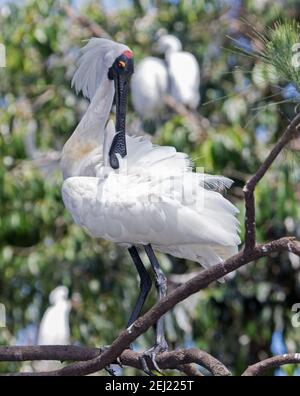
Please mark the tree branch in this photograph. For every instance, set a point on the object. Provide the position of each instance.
(180, 359)
(190, 370)
(274, 362)
(47, 352)
(250, 238)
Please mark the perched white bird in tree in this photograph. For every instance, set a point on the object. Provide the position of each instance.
(133, 193)
(54, 327)
(148, 93)
(178, 76)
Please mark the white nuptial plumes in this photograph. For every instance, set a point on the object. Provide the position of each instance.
(96, 57)
(178, 75)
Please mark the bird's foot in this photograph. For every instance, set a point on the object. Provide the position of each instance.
(109, 368)
(151, 355)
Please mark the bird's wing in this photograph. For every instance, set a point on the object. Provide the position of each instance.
(149, 84)
(134, 209)
(184, 75)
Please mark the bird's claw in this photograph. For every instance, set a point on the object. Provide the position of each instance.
(151, 355)
(119, 363)
(108, 368)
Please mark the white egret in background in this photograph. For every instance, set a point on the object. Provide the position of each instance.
(136, 194)
(178, 75)
(54, 327)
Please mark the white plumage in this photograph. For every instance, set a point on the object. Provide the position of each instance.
(154, 197)
(185, 78)
(54, 327)
(149, 85)
(178, 76)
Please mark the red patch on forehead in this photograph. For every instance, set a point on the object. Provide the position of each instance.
(128, 54)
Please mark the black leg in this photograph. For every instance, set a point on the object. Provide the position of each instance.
(145, 284)
(161, 286)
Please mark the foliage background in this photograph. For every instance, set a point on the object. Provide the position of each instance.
(246, 111)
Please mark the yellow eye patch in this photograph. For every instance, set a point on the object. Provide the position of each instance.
(121, 64)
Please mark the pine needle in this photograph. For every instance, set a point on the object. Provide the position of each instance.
(279, 47)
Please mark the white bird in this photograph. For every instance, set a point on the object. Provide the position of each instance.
(141, 194)
(54, 327)
(178, 76)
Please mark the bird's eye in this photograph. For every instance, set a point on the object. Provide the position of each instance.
(121, 64)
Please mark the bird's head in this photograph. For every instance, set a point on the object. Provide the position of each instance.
(105, 59)
(167, 43)
(122, 66)
(60, 293)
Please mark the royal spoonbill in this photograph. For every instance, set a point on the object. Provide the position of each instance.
(137, 194)
(178, 75)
